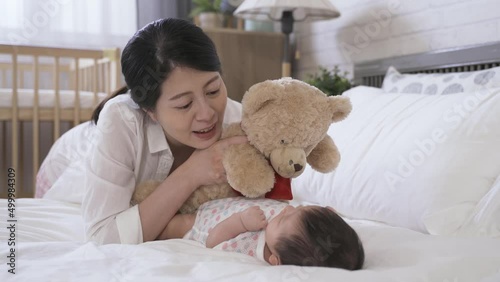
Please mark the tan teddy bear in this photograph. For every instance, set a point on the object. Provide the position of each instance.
(286, 122)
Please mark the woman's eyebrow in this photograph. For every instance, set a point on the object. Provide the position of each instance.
(212, 80)
(177, 96)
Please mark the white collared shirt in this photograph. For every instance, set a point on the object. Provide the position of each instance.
(128, 148)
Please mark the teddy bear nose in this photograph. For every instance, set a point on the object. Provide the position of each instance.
(297, 167)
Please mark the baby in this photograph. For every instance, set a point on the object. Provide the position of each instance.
(272, 231)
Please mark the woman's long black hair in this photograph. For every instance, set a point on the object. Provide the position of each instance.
(154, 51)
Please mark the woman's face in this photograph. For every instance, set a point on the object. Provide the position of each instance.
(191, 107)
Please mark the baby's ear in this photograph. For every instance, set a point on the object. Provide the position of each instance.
(274, 260)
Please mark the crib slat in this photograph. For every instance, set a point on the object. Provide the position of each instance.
(36, 123)
(118, 68)
(76, 119)
(95, 81)
(15, 124)
(20, 164)
(108, 80)
(57, 101)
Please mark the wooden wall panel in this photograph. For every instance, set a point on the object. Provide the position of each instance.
(247, 57)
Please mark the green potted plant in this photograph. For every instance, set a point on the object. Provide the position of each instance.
(207, 14)
(331, 82)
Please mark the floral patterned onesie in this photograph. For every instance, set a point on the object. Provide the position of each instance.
(211, 213)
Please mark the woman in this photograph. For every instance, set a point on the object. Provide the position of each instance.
(166, 127)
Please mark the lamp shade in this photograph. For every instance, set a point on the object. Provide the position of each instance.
(272, 10)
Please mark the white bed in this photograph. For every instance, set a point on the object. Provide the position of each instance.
(437, 220)
(50, 247)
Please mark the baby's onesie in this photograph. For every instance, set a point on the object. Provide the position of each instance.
(212, 213)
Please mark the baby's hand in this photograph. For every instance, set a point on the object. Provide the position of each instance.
(253, 219)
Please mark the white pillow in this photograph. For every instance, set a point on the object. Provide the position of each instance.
(485, 220)
(440, 83)
(311, 185)
(415, 161)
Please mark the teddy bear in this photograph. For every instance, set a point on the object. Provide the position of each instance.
(286, 123)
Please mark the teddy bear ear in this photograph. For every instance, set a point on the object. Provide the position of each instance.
(260, 95)
(340, 107)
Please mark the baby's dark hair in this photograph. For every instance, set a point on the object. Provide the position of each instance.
(323, 239)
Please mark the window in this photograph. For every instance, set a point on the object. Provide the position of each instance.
(68, 23)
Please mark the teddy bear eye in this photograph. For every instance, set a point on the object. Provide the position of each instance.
(282, 141)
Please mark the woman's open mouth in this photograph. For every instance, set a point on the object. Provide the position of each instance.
(206, 133)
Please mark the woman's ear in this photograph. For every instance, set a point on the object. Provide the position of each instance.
(151, 114)
(274, 260)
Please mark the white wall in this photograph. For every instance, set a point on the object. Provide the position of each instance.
(373, 29)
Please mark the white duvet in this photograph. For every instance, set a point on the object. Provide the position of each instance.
(50, 247)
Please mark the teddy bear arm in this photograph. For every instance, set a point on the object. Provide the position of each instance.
(204, 194)
(143, 190)
(248, 171)
(325, 156)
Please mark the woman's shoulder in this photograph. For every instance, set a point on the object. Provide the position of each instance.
(233, 111)
(123, 107)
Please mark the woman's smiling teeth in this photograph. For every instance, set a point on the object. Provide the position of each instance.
(206, 129)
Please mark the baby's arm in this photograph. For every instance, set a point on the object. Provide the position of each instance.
(178, 226)
(251, 219)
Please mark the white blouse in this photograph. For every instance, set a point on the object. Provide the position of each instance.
(128, 148)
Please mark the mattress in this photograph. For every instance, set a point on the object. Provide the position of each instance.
(47, 98)
(50, 247)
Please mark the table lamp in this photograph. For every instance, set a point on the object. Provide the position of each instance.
(287, 12)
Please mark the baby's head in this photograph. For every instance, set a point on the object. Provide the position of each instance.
(313, 236)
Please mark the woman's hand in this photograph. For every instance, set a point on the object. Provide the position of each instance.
(206, 165)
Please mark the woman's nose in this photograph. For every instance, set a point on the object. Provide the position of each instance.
(205, 112)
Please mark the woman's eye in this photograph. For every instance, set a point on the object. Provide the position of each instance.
(213, 92)
(185, 107)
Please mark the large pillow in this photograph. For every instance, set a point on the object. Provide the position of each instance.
(416, 161)
(440, 83)
(312, 185)
(485, 220)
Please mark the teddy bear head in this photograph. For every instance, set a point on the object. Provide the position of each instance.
(285, 119)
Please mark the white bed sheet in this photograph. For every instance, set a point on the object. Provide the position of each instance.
(46, 98)
(50, 247)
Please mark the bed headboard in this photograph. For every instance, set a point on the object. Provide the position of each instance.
(461, 59)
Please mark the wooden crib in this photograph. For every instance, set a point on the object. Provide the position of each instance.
(44, 91)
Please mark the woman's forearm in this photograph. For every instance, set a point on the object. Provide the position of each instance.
(157, 209)
(179, 225)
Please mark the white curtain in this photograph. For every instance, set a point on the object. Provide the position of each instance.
(68, 23)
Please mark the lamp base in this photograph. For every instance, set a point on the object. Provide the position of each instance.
(286, 69)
